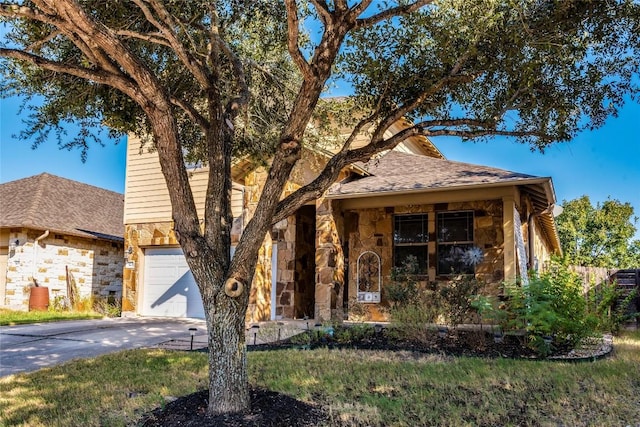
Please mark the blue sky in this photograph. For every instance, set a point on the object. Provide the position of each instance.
(602, 163)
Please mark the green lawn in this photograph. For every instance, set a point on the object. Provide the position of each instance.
(358, 387)
(11, 317)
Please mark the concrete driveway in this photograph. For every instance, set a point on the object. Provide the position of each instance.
(26, 348)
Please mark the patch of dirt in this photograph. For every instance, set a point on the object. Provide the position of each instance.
(269, 408)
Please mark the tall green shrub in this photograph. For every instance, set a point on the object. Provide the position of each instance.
(551, 305)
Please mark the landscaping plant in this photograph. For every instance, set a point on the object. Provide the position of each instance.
(457, 298)
(551, 309)
(608, 305)
(412, 307)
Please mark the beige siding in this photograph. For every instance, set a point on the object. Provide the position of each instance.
(541, 248)
(146, 195)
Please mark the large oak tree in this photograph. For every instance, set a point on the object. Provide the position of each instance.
(210, 80)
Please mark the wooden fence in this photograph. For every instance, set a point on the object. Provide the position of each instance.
(593, 276)
(626, 281)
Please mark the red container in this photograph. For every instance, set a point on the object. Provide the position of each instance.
(39, 298)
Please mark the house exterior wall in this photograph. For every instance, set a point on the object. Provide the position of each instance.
(95, 265)
(147, 213)
(338, 234)
(283, 235)
(4, 259)
(374, 232)
(146, 194)
(330, 260)
(541, 250)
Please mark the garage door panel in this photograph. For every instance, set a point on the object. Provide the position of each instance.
(169, 287)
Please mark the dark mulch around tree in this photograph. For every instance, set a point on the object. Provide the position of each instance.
(269, 408)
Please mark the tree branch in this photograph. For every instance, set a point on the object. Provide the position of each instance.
(323, 10)
(390, 13)
(12, 10)
(360, 8)
(293, 37)
(455, 122)
(165, 24)
(155, 38)
(242, 100)
(191, 112)
(91, 74)
(469, 134)
(37, 45)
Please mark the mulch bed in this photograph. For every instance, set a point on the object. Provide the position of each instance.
(269, 408)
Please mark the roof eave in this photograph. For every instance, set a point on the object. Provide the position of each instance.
(95, 235)
(527, 181)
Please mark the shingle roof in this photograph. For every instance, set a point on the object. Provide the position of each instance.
(402, 172)
(49, 202)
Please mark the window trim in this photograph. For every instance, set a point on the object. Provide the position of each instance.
(424, 244)
(453, 243)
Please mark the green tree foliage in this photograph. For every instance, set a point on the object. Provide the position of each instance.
(211, 81)
(600, 235)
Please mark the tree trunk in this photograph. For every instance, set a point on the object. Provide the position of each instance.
(225, 317)
(228, 378)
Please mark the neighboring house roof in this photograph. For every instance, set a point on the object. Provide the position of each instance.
(402, 173)
(49, 202)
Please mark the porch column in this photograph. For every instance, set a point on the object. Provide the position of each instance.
(509, 244)
(329, 262)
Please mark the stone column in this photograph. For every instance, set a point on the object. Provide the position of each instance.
(509, 245)
(129, 276)
(330, 280)
(259, 308)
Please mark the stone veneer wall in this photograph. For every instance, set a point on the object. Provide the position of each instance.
(330, 266)
(96, 266)
(284, 237)
(374, 232)
(137, 236)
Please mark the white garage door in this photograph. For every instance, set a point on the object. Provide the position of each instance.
(169, 287)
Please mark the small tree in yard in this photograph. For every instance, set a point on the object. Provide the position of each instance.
(213, 80)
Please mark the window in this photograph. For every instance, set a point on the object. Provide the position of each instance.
(411, 239)
(456, 252)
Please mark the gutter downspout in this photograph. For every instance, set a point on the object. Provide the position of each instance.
(35, 256)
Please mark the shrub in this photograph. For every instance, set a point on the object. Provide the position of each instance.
(403, 289)
(486, 309)
(410, 321)
(457, 297)
(346, 334)
(358, 312)
(108, 308)
(607, 305)
(551, 305)
(411, 307)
